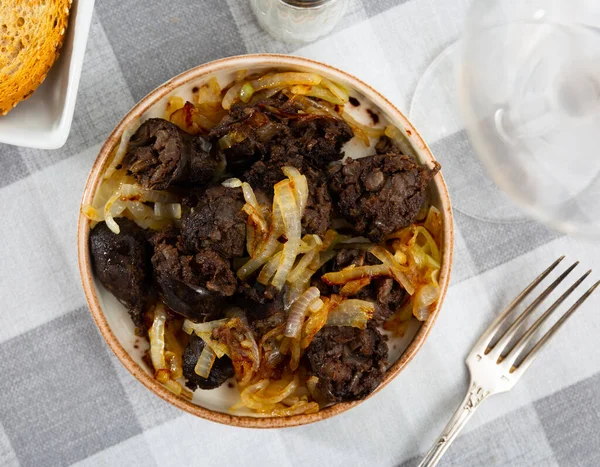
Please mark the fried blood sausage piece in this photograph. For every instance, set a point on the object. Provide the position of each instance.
(349, 362)
(216, 222)
(122, 263)
(194, 286)
(220, 372)
(387, 295)
(379, 194)
(161, 155)
(273, 128)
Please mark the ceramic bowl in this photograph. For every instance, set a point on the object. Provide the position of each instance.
(112, 318)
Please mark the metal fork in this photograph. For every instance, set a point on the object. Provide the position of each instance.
(496, 368)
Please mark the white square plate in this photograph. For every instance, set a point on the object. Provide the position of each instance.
(44, 120)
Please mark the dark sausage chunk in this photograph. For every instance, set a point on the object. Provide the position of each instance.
(385, 292)
(220, 372)
(160, 155)
(216, 222)
(122, 263)
(349, 362)
(192, 285)
(274, 129)
(249, 130)
(262, 176)
(319, 138)
(380, 194)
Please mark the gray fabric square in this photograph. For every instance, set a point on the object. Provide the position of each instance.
(8, 458)
(571, 421)
(514, 439)
(150, 409)
(63, 363)
(374, 7)
(492, 244)
(155, 41)
(12, 166)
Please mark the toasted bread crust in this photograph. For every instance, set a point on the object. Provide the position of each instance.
(31, 36)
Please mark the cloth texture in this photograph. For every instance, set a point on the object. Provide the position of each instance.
(66, 399)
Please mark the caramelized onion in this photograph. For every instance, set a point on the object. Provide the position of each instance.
(285, 199)
(352, 274)
(232, 183)
(167, 210)
(383, 255)
(353, 287)
(299, 185)
(205, 362)
(266, 248)
(157, 338)
(298, 312)
(352, 312)
(122, 149)
(423, 299)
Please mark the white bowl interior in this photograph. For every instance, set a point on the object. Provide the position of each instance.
(221, 399)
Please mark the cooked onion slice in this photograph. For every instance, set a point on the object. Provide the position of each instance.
(267, 82)
(433, 223)
(300, 186)
(267, 248)
(134, 192)
(298, 312)
(352, 312)
(284, 197)
(336, 89)
(269, 269)
(383, 255)
(317, 320)
(364, 132)
(302, 265)
(253, 208)
(199, 328)
(423, 299)
(122, 149)
(352, 274)
(108, 215)
(157, 338)
(204, 331)
(318, 92)
(232, 183)
(353, 287)
(297, 408)
(246, 92)
(167, 210)
(205, 362)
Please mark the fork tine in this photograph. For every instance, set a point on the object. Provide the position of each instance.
(484, 340)
(501, 344)
(516, 349)
(544, 340)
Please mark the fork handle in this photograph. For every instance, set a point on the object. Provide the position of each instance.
(466, 409)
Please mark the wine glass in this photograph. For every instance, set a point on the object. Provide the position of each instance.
(528, 88)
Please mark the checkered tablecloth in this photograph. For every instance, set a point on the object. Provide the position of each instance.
(65, 399)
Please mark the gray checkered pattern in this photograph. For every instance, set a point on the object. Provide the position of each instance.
(65, 399)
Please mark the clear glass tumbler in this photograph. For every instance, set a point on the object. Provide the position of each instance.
(298, 20)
